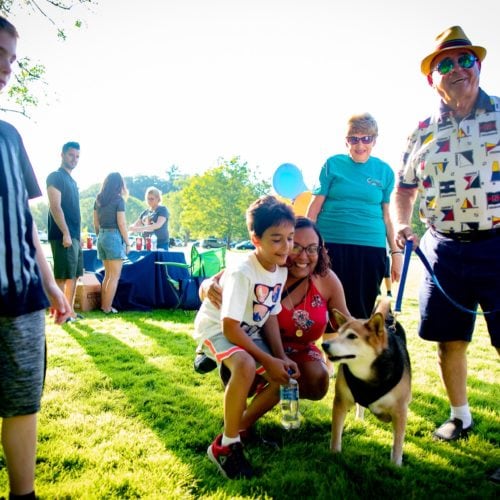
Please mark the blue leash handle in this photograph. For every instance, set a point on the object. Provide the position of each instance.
(425, 262)
(404, 272)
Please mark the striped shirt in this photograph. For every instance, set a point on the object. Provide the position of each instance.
(21, 289)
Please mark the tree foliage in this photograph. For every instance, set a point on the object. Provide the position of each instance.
(215, 202)
(29, 76)
(138, 184)
(417, 225)
(40, 212)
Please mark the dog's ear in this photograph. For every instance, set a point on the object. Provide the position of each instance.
(376, 324)
(340, 319)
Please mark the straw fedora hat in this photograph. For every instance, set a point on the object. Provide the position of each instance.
(452, 38)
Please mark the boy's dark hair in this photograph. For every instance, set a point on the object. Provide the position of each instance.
(8, 27)
(70, 145)
(266, 212)
(323, 264)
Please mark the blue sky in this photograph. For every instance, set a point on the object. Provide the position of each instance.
(145, 85)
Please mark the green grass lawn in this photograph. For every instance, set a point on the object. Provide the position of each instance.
(125, 416)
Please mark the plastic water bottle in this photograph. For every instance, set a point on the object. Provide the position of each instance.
(154, 242)
(289, 402)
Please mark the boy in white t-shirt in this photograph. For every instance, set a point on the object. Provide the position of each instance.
(234, 334)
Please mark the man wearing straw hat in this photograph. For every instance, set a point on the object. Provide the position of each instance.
(452, 160)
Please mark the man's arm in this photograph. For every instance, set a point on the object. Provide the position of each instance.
(58, 214)
(404, 199)
(60, 308)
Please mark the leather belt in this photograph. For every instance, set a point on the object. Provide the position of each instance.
(471, 236)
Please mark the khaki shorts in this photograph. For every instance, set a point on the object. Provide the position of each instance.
(68, 262)
(219, 348)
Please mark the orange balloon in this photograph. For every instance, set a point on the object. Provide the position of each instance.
(301, 203)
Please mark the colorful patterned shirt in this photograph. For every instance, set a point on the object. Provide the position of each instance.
(456, 167)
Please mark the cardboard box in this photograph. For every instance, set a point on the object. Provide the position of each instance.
(88, 293)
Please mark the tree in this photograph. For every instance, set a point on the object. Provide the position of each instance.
(174, 202)
(40, 213)
(138, 184)
(215, 202)
(29, 76)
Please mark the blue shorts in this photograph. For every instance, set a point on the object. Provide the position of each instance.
(110, 245)
(469, 272)
(22, 364)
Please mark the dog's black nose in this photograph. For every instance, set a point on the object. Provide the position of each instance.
(325, 346)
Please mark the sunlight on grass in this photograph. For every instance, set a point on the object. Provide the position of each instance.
(124, 415)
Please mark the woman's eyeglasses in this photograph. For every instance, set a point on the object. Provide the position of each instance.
(465, 61)
(310, 250)
(366, 139)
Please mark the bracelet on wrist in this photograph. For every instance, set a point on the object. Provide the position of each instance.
(393, 252)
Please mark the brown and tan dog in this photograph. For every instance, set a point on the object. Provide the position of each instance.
(374, 372)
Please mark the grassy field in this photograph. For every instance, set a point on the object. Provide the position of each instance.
(125, 416)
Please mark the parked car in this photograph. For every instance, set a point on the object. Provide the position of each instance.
(244, 245)
(42, 236)
(211, 243)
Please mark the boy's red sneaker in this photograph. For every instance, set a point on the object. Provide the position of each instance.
(230, 460)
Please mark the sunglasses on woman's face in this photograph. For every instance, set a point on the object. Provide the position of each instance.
(366, 139)
(465, 61)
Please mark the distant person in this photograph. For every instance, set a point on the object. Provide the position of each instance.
(243, 335)
(25, 277)
(452, 160)
(64, 223)
(351, 209)
(112, 237)
(154, 219)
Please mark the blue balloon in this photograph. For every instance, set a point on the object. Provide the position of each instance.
(288, 181)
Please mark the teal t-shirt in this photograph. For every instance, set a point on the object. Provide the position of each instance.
(354, 194)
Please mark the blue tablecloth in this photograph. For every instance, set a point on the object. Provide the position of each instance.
(143, 285)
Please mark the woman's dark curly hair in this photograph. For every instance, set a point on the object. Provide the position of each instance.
(323, 264)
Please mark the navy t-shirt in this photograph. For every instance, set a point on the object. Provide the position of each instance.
(107, 214)
(162, 232)
(70, 204)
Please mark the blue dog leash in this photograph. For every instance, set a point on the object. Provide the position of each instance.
(404, 272)
(425, 262)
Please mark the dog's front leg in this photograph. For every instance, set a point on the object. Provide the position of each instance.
(342, 401)
(398, 431)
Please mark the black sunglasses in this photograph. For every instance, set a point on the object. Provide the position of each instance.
(366, 139)
(465, 61)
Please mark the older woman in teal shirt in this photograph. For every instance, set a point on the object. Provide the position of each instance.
(351, 209)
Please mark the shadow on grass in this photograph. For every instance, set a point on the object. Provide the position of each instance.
(163, 399)
(184, 409)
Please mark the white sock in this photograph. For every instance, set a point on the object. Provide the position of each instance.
(463, 413)
(226, 441)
